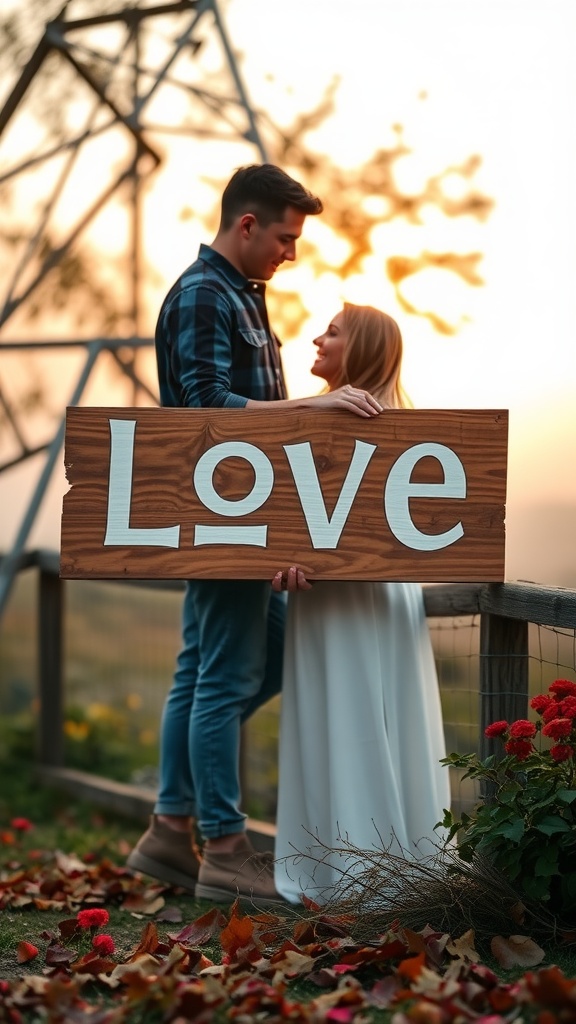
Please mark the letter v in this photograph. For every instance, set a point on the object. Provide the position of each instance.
(325, 532)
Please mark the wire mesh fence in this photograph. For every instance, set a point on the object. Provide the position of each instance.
(120, 647)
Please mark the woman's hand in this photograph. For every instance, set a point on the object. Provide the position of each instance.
(348, 397)
(291, 580)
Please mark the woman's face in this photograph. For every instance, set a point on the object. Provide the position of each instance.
(330, 347)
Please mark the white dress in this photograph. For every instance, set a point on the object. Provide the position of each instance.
(361, 734)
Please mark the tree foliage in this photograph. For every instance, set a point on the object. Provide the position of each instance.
(71, 104)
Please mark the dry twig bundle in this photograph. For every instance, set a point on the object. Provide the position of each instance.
(378, 887)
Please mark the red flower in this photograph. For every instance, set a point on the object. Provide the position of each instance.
(558, 728)
(563, 688)
(552, 711)
(496, 729)
(103, 944)
(93, 918)
(541, 702)
(561, 752)
(568, 707)
(522, 729)
(21, 824)
(519, 748)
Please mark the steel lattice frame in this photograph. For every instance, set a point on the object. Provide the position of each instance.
(227, 112)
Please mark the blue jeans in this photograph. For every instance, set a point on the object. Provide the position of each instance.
(230, 664)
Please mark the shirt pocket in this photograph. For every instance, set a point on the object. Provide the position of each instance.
(253, 336)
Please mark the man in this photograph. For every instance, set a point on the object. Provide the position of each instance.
(215, 347)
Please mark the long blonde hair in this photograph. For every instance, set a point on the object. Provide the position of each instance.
(372, 355)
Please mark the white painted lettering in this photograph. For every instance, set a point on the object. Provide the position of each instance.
(118, 529)
(325, 532)
(399, 490)
(204, 484)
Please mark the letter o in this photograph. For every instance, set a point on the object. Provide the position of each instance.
(204, 474)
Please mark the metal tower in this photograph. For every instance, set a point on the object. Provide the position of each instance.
(122, 60)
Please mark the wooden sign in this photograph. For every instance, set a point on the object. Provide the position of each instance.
(188, 493)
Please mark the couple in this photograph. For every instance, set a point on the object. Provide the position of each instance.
(215, 347)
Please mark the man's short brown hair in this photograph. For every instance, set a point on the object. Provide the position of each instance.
(265, 190)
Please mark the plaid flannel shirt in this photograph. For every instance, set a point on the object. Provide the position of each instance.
(214, 345)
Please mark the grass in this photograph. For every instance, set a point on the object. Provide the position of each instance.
(118, 736)
(77, 827)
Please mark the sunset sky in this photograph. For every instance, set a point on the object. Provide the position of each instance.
(495, 78)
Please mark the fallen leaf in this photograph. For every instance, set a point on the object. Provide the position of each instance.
(135, 973)
(69, 863)
(411, 967)
(325, 978)
(341, 1014)
(414, 941)
(171, 914)
(68, 928)
(293, 963)
(310, 904)
(148, 942)
(238, 933)
(57, 954)
(516, 951)
(203, 929)
(549, 987)
(463, 947)
(93, 966)
(142, 903)
(303, 932)
(393, 950)
(26, 951)
(383, 992)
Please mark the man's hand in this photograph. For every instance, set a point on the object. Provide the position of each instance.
(291, 580)
(347, 397)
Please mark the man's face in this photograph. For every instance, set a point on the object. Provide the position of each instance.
(265, 248)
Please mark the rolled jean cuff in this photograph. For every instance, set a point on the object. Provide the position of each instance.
(182, 809)
(215, 830)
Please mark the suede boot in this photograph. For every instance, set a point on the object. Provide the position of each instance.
(243, 872)
(166, 854)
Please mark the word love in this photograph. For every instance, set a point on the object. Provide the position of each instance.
(325, 531)
(237, 493)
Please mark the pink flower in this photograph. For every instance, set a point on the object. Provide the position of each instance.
(103, 944)
(496, 729)
(558, 728)
(563, 688)
(561, 752)
(519, 748)
(92, 918)
(21, 824)
(522, 729)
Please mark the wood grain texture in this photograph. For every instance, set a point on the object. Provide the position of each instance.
(168, 444)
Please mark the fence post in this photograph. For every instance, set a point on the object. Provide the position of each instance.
(503, 673)
(50, 673)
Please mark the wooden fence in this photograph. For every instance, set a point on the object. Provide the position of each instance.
(505, 611)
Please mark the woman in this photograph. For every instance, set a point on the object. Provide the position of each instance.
(361, 732)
